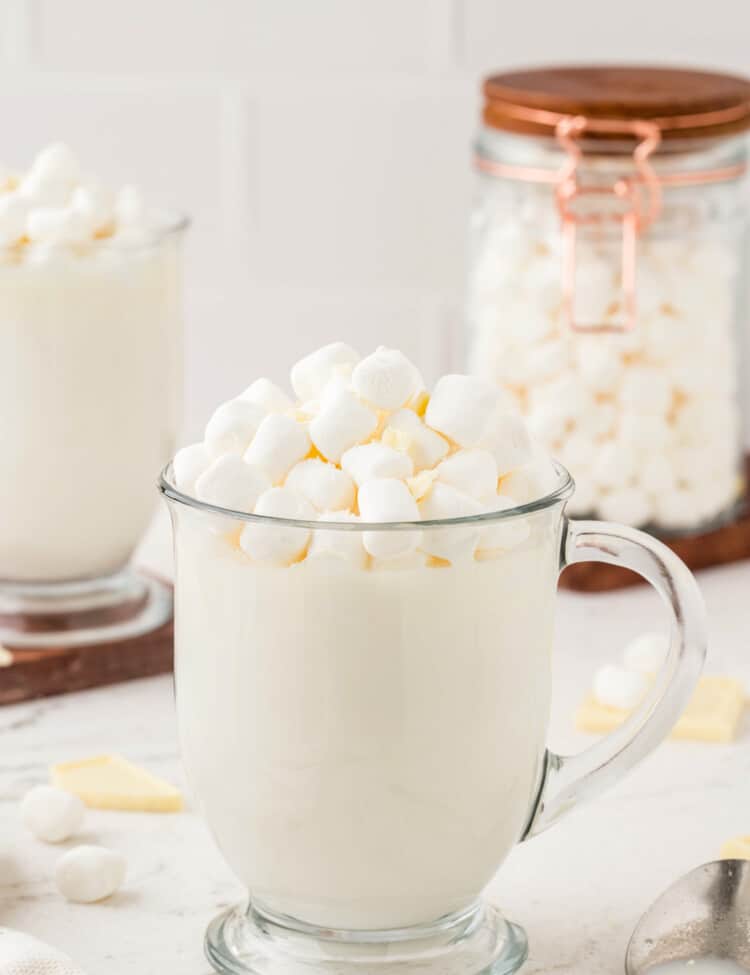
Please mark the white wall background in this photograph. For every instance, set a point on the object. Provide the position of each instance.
(321, 146)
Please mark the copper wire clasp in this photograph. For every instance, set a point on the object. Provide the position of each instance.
(638, 203)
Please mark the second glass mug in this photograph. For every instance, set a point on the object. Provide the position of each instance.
(367, 745)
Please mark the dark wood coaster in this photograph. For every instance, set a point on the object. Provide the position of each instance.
(728, 543)
(32, 672)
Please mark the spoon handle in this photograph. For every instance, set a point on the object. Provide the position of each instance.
(568, 780)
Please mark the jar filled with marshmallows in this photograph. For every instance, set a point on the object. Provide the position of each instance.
(607, 278)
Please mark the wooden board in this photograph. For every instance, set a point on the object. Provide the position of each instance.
(729, 543)
(32, 672)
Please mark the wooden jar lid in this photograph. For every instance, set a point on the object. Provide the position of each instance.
(686, 104)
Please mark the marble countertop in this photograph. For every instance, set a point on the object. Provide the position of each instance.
(577, 889)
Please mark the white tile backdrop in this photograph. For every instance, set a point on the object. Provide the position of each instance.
(321, 146)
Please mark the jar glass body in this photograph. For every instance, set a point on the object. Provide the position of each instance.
(649, 418)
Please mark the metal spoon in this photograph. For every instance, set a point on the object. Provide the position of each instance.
(705, 914)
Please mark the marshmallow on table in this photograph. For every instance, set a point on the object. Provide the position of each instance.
(460, 408)
(231, 483)
(188, 465)
(280, 442)
(232, 427)
(646, 653)
(342, 422)
(388, 500)
(472, 471)
(51, 814)
(325, 486)
(278, 544)
(270, 397)
(386, 379)
(452, 543)
(335, 546)
(369, 461)
(618, 687)
(310, 375)
(87, 874)
(407, 432)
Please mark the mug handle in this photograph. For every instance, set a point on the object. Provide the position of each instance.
(568, 780)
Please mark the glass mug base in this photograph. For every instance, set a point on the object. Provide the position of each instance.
(250, 941)
(116, 607)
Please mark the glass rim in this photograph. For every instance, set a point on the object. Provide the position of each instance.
(562, 491)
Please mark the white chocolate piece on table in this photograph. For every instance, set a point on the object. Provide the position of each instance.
(112, 782)
(619, 687)
(51, 814)
(646, 652)
(87, 874)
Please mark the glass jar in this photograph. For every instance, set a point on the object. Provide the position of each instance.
(606, 285)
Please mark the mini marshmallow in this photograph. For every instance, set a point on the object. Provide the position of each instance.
(453, 543)
(325, 486)
(278, 544)
(231, 483)
(129, 208)
(645, 429)
(506, 533)
(598, 422)
(546, 423)
(388, 500)
(279, 443)
(584, 499)
(87, 874)
(568, 396)
(386, 379)
(407, 432)
(646, 653)
(545, 361)
(52, 177)
(342, 422)
(656, 474)
(473, 471)
(616, 687)
(56, 225)
(51, 814)
(310, 375)
(460, 408)
(232, 427)
(95, 206)
(577, 452)
(677, 509)
(338, 547)
(14, 211)
(616, 464)
(270, 397)
(188, 465)
(646, 389)
(507, 439)
(628, 505)
(599, 364)
(367, 462)
(532, 480)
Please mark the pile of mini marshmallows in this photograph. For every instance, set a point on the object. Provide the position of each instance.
(624, 686)
(366, 443)
(648, 422)
(53, 208)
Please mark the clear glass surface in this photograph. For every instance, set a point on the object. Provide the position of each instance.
(90, 401)
(366, 738)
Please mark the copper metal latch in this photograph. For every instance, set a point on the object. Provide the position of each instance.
(638, 205)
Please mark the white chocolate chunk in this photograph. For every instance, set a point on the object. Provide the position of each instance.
(369, 461)
(646, 653)
(342, 422)
(619, 688)
(338, 547)
(231, 483)
(267, 395)
(407, 432)
(388, 500)
(279, 443)
(87, 874)
(188, 465)
(232, 426)
(310, 375)
(51, 814)
(472, 471)
(452, 543)
(461, 407)
(278, 544)
(326, 487)
(386, 379)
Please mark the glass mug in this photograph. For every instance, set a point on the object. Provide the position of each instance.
(90, 402)
(367, 744)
